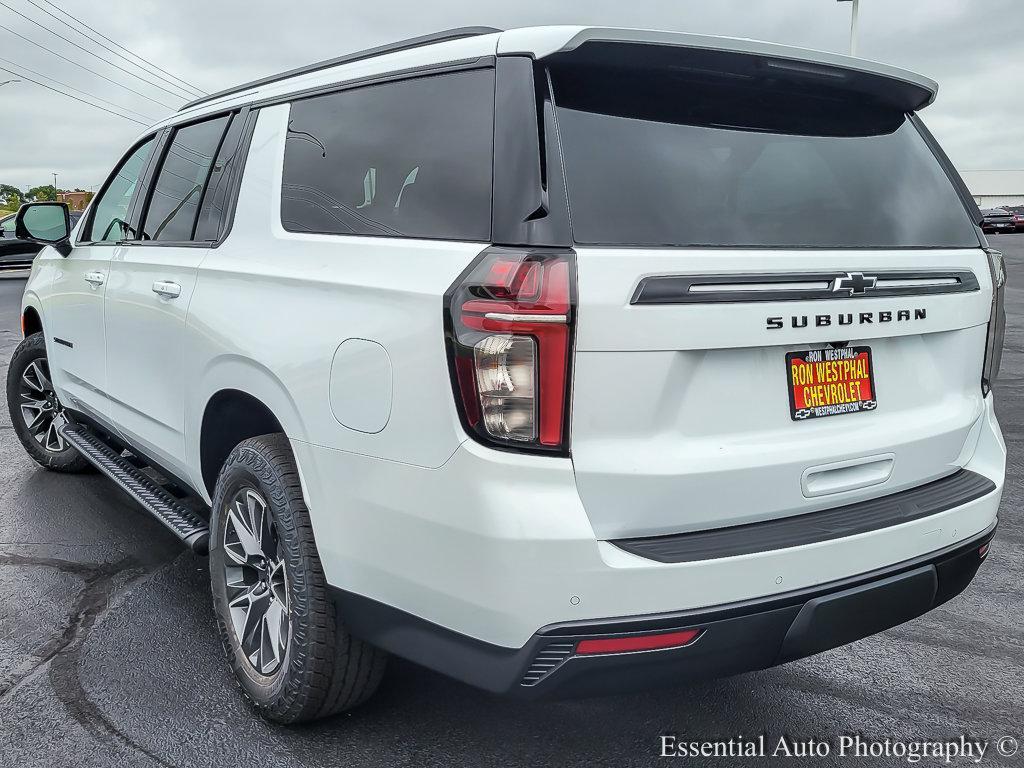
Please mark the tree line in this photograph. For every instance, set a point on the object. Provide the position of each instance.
(11, 197)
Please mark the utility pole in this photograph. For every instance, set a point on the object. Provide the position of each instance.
(853, 24)
(55, 184)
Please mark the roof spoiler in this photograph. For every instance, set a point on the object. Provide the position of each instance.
(900, 88)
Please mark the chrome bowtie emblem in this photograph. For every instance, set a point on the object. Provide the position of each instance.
(855, 283)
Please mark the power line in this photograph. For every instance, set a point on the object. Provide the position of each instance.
(82, 66)
(111, 50)
(94, 55)
(123, 48)
(70, 96)
(71, 87)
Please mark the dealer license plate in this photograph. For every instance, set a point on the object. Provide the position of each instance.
(830, 382)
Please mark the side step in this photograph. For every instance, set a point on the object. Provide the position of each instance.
(179, 519)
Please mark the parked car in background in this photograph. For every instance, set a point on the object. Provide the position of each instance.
(997, 220)
(16, 253)
(1018, 221)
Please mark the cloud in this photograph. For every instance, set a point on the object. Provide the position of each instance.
(973, 51)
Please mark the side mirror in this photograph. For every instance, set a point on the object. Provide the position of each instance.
(45, 223)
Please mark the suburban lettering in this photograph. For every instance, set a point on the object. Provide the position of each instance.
(845, 318)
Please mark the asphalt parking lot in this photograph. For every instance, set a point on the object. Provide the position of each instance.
(108, 652)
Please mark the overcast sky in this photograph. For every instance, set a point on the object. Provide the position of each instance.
(975, 50)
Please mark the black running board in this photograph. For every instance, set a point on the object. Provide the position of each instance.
(179, 519)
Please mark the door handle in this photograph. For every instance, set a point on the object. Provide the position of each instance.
(847, 475)
(167, 289)
(95, 278)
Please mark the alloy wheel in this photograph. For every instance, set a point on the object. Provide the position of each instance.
(257, 584)
(40, 407)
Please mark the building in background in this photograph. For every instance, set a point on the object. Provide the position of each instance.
(996, 189)
(76, 200)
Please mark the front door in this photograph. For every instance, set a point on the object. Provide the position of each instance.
(73, 323)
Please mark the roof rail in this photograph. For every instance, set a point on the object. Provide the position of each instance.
(369, 53)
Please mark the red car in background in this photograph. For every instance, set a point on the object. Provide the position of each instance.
(1018, 221)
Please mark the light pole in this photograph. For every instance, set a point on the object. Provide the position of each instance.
(853, 25)
(55, 183)
(7, 82)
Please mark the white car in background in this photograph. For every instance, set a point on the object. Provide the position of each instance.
(560, 360)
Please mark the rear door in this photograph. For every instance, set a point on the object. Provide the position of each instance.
(782, 297)
(148, 292)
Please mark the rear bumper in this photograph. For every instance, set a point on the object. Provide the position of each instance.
(924, 501)
(493, 546)
(734, 638)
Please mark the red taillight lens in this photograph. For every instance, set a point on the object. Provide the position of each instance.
(509, 322)
(996, 321)
(637, 642)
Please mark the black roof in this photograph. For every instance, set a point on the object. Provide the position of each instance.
(369, 53)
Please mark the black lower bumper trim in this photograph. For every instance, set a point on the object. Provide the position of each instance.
(740, 637)
(863, 517)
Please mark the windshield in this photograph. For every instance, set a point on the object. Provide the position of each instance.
(652, 158)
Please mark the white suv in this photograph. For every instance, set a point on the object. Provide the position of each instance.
(561, 360)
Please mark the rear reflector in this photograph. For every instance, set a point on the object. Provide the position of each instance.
(983, 551)
(638, 642)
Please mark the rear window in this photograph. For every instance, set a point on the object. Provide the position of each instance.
(664, 158)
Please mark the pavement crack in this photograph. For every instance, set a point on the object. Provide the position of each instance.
(91, 601)
(61, 654)
(95, 575)
(64, 676)
(87, 570)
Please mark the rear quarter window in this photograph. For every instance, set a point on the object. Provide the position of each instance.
(402, 159)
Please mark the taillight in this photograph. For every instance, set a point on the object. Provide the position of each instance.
(509, 322)
(996, 321)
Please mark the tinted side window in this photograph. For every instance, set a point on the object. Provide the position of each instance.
(214, 207)
(111, 208)
(174, 202)
(410, 158)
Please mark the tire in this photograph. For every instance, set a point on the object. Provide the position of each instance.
(35, 410)
(321, 669)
